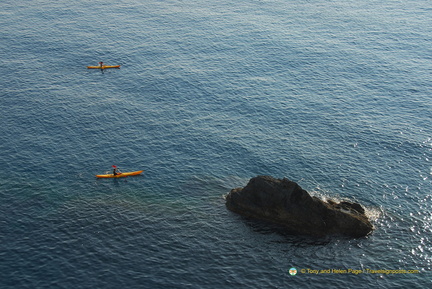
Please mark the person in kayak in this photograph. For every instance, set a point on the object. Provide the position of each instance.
(101, 64)
(116, 171)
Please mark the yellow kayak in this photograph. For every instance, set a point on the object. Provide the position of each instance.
(120, 175)
(103, 66)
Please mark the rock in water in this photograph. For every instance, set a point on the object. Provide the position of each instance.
(285, 202)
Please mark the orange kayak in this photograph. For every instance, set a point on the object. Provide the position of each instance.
(103, 66)
(120, 175)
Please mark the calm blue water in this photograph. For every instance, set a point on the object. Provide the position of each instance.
(335, 95)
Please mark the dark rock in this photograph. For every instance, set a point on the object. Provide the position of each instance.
(285, 202)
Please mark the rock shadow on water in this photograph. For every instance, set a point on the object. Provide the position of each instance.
(284, 235)
(284, 203)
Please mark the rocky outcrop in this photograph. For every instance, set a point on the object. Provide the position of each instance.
(285, 202)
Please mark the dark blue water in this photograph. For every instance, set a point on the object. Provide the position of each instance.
(335, 95)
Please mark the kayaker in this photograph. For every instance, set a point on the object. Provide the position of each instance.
(100, 63)
(116, 171)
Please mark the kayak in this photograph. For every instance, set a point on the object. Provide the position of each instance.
(121, 175)
(103, 66)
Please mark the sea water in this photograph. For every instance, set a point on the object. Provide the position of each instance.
(335, 95)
